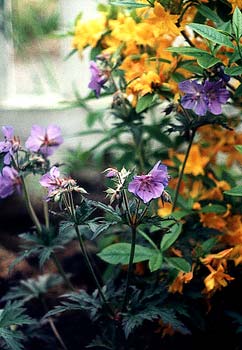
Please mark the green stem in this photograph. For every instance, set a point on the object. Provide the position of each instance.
(130, 266)
(89, 265)
(62, 272)
(148, 239)
(30, 208)
(36, 221)
(182, 170)
(46, 214)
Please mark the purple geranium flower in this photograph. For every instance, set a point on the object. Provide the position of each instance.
(9, 182)
(204, 97)
(9, 145)
(51, 180)
(216, 95)
(98, 78)
(44, 140)
(152, 185)
(195, 97)
(57, 184)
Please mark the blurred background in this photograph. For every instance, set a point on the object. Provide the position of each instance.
(38, 82)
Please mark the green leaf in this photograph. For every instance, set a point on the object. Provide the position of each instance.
(169, 238)
(236, 191)
(212, 34)
(129, 4)
(208, 13)
(155, 261)
(119, 253)
(179, 264)
(207, 61)
(144, 102)
(238, 91)
(204, 59)
(213, 208)
(237, 23)
(239, 148)
(233, 70)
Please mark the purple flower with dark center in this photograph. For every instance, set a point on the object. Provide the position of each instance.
(152, 185)
(98, 78)
(9, 182)
(10, 145)
(204, 97)
(44, 140)
(216, 95)
(195, 97)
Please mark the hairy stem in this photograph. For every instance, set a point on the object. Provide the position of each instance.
(130, 266)
(182, 170)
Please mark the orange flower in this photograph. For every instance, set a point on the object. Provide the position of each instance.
(212, 258)
(212, 220)
(196, 162)
(178, 283)
(216, 279)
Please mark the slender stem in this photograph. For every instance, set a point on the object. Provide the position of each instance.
(62, 272)
(39, 231)
(30, 208)
(53, 327)
(90, 267)
(130, 266)
(148, 239)
(46, 214)
(182, 170)
(126, 203)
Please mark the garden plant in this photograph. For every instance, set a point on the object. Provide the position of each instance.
(163, 249)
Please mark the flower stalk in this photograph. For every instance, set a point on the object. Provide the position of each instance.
(182, 170)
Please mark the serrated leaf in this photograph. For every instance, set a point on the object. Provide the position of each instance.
(237, 23)
(233, 70)
(212, 34)
(129, 4)
(169, 238)
(179, 264)
(236, 191)
(144, 102)
(119, 253)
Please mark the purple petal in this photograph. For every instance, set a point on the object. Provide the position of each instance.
(8, 131)
(54, 133)
(33, 143)
(38, 132)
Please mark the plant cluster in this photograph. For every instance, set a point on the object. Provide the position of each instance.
(169, 233)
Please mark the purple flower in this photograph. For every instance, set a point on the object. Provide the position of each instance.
(51, 180)
(216, 95)
(57, 184)
(9, 182)
(44, 140)
(10, 145)
(204, 97)
(98, 78)
(195, 97)
(152, 185)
